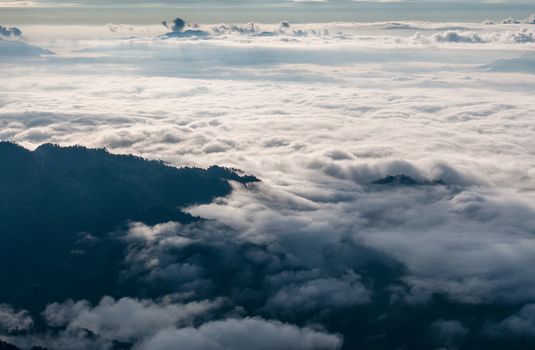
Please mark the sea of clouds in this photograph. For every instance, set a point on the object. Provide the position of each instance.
(318, 113)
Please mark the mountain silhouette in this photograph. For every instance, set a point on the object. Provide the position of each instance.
(404, 180)
(53, 198)
(17, 48)
(8, 346)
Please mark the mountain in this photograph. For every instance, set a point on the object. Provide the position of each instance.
(8, 346)
(15, 48)
(53, 198)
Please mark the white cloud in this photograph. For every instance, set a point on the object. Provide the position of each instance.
(318, 118)
(213, 102)
(126, 319)
(249, 333)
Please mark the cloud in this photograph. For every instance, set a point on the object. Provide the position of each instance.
(284, 29)
(510, 20)
(250, 333)
(521, 36)
(165, 325)
(519, 325)
(12, 320)
(119, 27)
(448, 332)
(448, 33)
(449, 328)
(320, 293)
(525, 63)
(203, 259)
(458, 37)
(177, 25)
(318, 194)
(10, 32)
(397, 179)
(140, 231)
(125, 320)
(177, 30)
(530, 19)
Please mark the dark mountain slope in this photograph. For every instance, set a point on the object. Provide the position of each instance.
(53, 198)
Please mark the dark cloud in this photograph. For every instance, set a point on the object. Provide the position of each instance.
(177, 30)
(177, 25)
(448, 333)
(518, 325)
(10, 32)
(304, 293)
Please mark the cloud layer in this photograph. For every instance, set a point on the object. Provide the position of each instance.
(396, 178)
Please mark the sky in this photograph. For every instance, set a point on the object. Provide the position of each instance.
(139, 12)
(394, 152)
